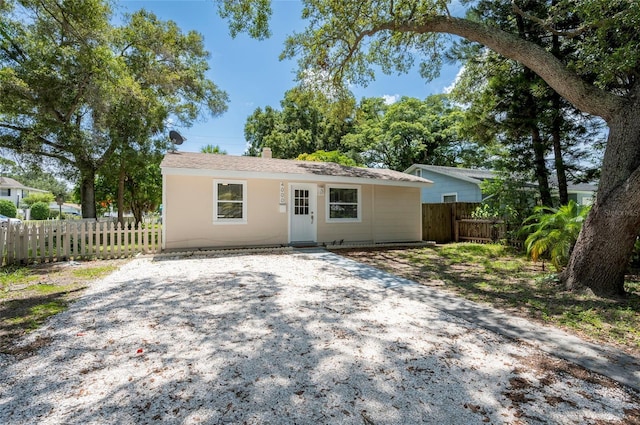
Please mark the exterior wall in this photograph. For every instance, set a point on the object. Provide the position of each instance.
(582, 198)
(189, 208)
(398, 214)
(442, 184)
(388, 214)
(351, 231)
(16, 196)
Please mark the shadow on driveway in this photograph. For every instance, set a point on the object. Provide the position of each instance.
(282, 339)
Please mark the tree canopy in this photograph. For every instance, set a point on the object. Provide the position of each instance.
(308, 121)
(411, 131)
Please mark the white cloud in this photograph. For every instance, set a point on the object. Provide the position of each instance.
(390, 99)
(450, 87)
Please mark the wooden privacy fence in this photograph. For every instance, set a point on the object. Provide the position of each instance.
(478, 230)
(49, 241)
(452, 222)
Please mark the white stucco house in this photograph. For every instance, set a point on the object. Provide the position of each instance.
(212, 200)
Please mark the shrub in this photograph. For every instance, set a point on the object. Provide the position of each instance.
(39, 211)
(38, 197)
(554, 232)
(8, 208)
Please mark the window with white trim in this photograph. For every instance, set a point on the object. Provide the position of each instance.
(450, 197)
(230, 202)
(5, 192)
(343, 204)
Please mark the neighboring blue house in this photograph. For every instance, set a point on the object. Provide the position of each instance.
(452, 184)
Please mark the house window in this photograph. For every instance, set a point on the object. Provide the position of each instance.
(5, 192)
(344, 204)
(230, 202)
(449, 198)
(419, 173)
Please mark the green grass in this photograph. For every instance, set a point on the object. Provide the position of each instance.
(30, 295)
(499, 276)
(38, 314)
(94, 272)
(15, 276)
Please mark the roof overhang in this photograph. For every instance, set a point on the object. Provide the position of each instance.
(235, 174)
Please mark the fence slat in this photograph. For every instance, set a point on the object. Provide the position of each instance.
(3, 244)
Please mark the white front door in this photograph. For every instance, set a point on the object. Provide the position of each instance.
(302, 212)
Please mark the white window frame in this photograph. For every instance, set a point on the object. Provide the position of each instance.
(216, 219)
(450, 194)
(328, 218)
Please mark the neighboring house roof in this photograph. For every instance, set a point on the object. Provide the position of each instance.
(478, 176)
(467, 174)
(254, 167)
(9, 183)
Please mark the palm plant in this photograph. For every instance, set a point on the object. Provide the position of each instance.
(553, 232)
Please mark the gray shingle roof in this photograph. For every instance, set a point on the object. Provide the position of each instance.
(250, 164)
(8, 182)
(464, 173)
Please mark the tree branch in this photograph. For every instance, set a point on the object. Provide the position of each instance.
(44, 140)
(548, 25)
(586, 97)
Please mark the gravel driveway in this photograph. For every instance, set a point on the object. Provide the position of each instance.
(284, 338)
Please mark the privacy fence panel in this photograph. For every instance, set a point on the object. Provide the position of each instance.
(453, 222)
(47, 241)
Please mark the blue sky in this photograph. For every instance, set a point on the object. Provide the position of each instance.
(250, 72)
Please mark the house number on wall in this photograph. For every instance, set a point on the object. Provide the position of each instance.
(282, 201)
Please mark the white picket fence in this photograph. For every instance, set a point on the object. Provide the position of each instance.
(60, 240)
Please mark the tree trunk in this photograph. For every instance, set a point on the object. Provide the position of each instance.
(556, 138)
(542, 174)
(120, 195)
(87, 192)
(556, 132)
(601, 255)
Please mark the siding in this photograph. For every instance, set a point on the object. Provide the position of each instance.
(442, 184)
(398, 214)
(350, 231)
(189, 215)
(582, 198)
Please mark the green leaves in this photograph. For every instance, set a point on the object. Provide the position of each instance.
(553, 232)
(251, 16)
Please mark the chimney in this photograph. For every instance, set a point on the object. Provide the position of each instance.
(266, 152)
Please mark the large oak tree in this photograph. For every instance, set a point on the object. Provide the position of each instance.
(351, 39)
(77, 89)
